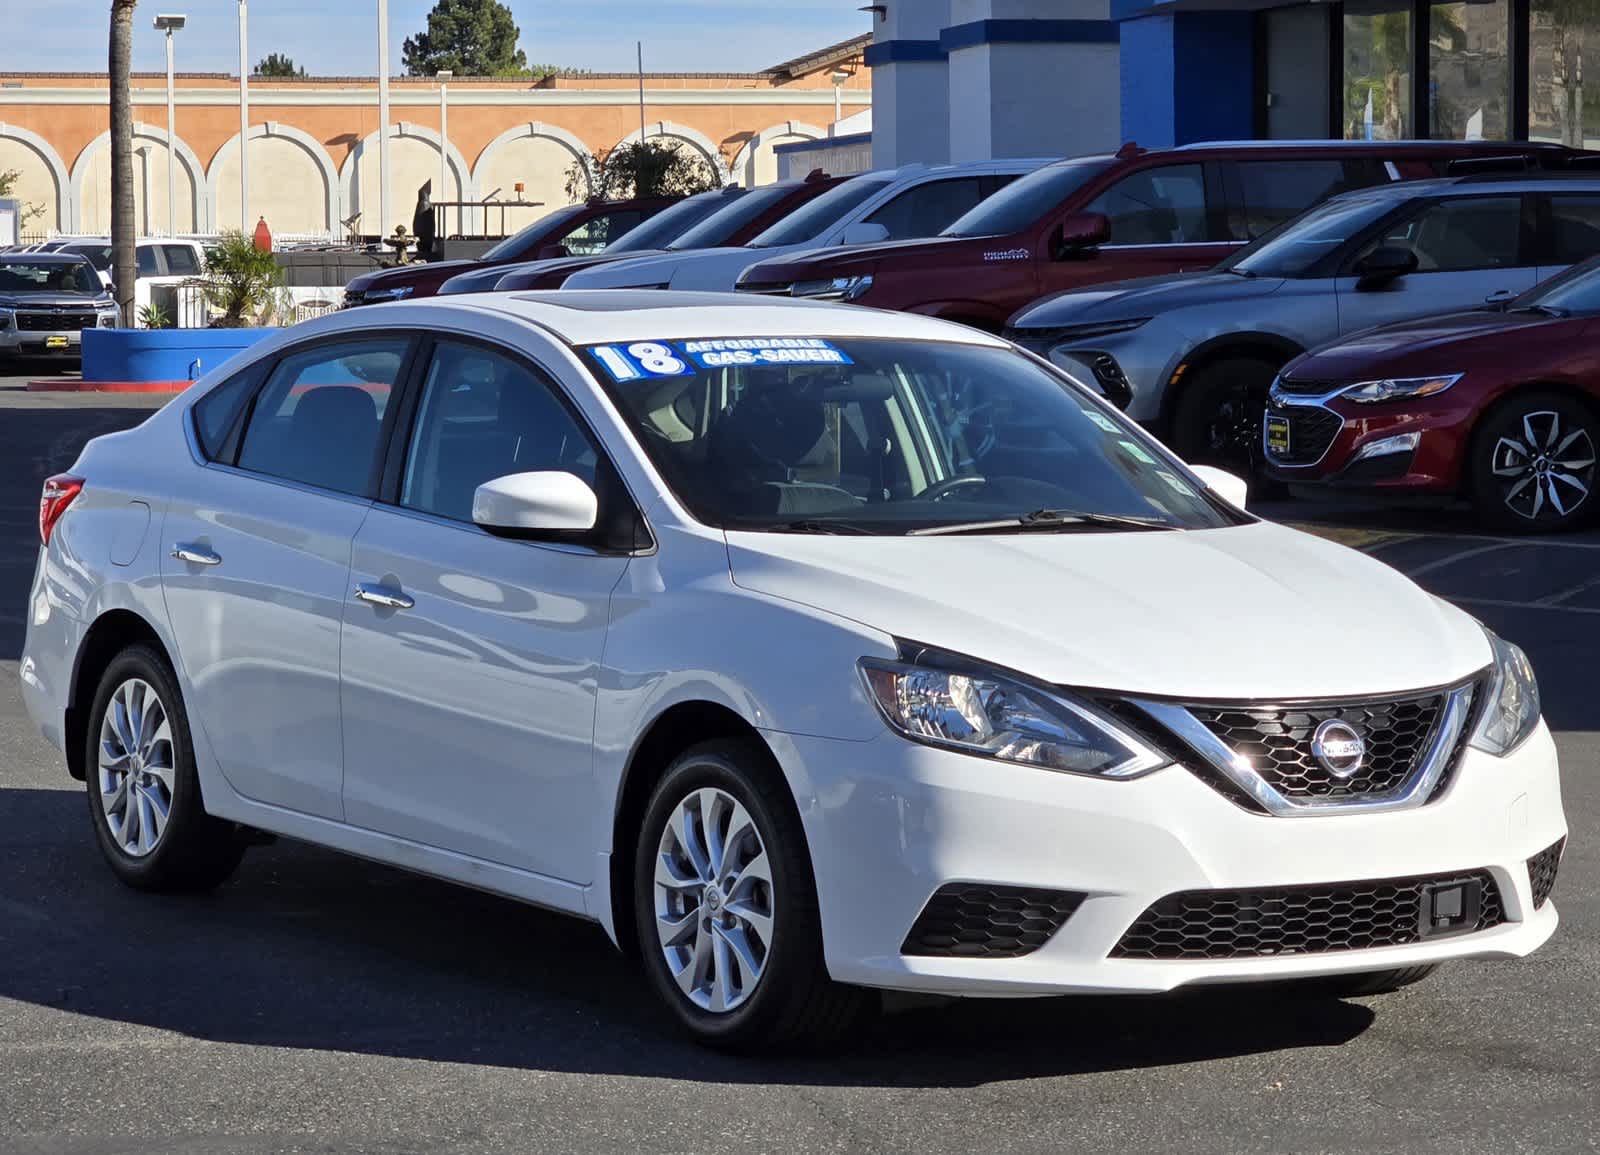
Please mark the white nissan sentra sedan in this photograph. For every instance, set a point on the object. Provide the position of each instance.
(807, 649)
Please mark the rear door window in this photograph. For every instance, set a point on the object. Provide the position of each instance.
(317, 420)
(925, 210)
(1269, 192)
(180, 260)
(594, 234)
(1165, 205)
(1573, 232)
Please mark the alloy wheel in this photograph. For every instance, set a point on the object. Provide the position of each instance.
(136, 767)
(713, 900)
(1545, 472)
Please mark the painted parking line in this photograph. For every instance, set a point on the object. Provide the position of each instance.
(1458, 556)
(1513, 605)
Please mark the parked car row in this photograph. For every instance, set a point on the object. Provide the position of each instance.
(1179, 282)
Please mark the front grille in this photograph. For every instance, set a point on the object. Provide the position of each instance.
(1225, 924)
(973, 920)
(1305, 388)
(55, 322)
(1277, 741)
(1311, 430)
(1542, 869)
(771, 289)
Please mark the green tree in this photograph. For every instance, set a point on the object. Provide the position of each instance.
(241, 282)
(8, 181)
(124, 270)
(652, 169)
(468, 37)
(275, 65)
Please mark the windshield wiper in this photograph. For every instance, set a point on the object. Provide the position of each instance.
(1046, 521)
(1547, 310)
(1247, 274)
(814, 525)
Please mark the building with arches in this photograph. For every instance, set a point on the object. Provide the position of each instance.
(312, 143)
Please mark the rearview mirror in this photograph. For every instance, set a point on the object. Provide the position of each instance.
(864, 233)
(1080, 232)
(1231, 488)
(1384, 264)
(552, 252)
(533, 503)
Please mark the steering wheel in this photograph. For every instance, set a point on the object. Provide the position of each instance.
(949, 485)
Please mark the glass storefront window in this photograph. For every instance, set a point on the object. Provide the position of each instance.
(1469, 81)
(1377, 70)
(1561, 35)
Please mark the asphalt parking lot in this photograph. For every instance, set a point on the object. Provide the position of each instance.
(320, 1004)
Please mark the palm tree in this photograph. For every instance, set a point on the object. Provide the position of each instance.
(123, 269)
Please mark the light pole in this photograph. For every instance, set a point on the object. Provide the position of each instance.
(838, 78)
(170, 23)
(244, 115)
(383, 118)
(444, 141)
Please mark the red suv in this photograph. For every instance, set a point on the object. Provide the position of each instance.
(1088, 220)
(1500, 406)
(576, 229)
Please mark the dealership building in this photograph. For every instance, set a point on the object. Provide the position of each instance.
(966, 79)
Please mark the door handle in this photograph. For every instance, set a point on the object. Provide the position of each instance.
(195, 554)
(377, 595)
(1499, 297)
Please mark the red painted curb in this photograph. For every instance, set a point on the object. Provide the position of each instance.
(108, 386)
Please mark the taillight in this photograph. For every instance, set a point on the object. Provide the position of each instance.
(59, 492)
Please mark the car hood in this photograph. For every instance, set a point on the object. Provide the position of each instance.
(52, 301)
(720, 264)
(1413, 342)
(1145, 297)
(1247, 612)
(812, 263)
(411, 274)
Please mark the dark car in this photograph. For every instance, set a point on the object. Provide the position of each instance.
(584, 228)
(736, 223)
(1500, 406)
(1089, 220)
(47, 300)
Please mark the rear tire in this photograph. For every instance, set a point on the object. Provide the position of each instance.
(143, 789)
(1532, 464)
(1218, 416)
(742, 969)
(1369, 983)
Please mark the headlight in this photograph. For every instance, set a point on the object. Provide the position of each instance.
(833, 288)
(1513, 707)
(992, 716)
(1399, 388)
(376, 296)
(109, 320)
(5, 318)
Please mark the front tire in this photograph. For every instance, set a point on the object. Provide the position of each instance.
(1218, 418)
(1533, 464)
(1368, 983)
(143, 789)
(726, 909)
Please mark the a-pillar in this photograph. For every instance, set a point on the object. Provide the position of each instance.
(1032, 78)
(910, 84)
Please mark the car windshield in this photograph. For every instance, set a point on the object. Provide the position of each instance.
(49, 277)
(671, 223)
(812, 219)
(889, 437)
(1291, 249)
(723, 225)
(1024, 201)
(518, 243)
(1577, 290)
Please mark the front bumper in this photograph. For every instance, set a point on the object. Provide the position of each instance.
(890, 822)
(37, 343)
(1390, 449)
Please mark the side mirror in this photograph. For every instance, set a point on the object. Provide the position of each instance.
(1231, 488)
(864, 233)
(536, 503)
(1383, 265)
(552, 252)
(1081, 232)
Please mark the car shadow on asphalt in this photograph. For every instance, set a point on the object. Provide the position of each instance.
(305, 948)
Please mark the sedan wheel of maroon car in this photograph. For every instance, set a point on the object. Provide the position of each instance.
(1533, 466)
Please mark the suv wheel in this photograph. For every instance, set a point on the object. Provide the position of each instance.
(1533, 464)
(144, 793)
(725, 906)
(1218, 417)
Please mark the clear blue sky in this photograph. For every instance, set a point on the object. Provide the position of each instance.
(337, 37)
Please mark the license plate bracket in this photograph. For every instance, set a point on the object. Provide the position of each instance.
(57, 342)
(1278, 436)
(1453, 906)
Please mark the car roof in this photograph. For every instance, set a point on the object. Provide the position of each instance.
(42, 259)
(1517, 146)
(1475, 183)
(597, 316)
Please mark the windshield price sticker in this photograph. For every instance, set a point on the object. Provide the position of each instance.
(644, 359)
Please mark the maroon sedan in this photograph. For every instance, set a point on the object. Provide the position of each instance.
(1499, 406)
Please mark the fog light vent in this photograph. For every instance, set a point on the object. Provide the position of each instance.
(975, 920)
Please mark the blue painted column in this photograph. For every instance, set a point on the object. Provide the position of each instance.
(1188, 77)
(910, 84)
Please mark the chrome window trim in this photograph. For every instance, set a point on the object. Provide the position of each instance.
(1414, 792)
